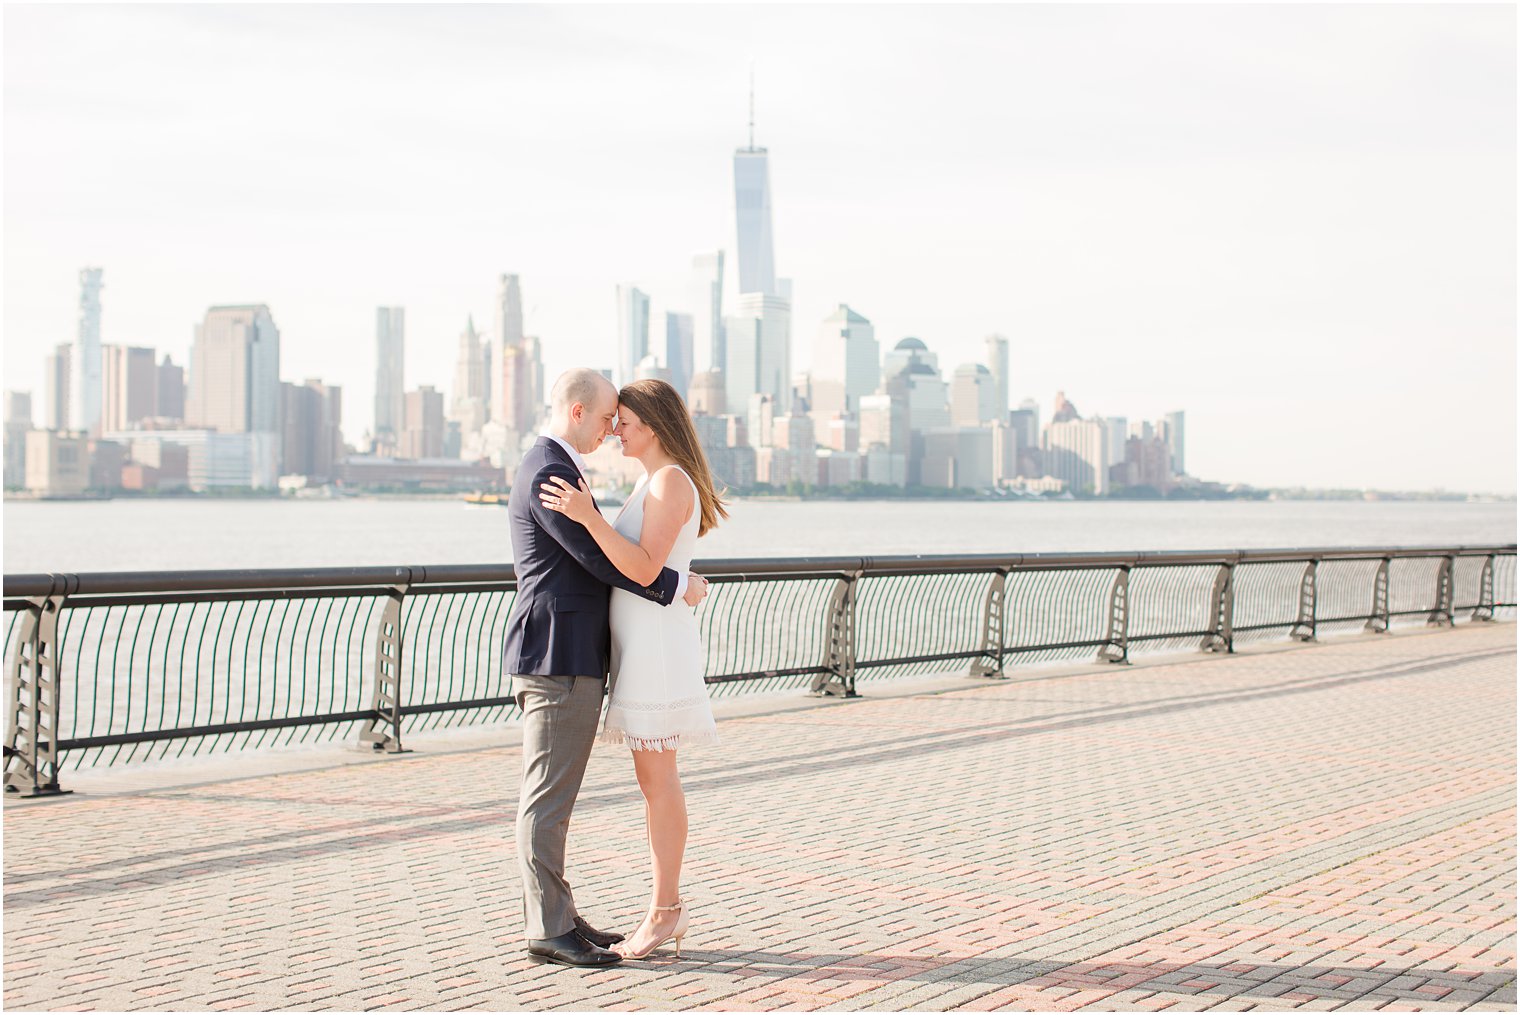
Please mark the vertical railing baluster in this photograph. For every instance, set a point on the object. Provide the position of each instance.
(1221, 634)
(1306, 627)
(1440, 615)
(839, 654)
(31, 753)
(1485, 608)
(1379, 621)
(993, 612)
(1116, 645)
(386, 696)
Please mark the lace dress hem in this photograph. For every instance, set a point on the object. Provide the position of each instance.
(664, 743)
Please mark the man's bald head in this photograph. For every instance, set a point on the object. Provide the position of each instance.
(582, 405)
(579, 385)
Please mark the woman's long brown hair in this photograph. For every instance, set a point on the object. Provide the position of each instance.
(659, 407)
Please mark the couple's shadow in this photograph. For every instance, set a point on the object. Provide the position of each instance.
(816, 973)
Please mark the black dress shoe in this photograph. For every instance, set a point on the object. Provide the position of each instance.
(570, 949)
(596, 937)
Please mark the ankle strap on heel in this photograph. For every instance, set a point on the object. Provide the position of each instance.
(668, 909)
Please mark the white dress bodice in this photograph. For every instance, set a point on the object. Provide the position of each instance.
(656, 697)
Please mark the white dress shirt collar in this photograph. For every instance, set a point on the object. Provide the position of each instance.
(575, 456)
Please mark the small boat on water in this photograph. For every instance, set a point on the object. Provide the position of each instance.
(479, 499)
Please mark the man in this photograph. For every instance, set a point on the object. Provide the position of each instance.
(556, 650)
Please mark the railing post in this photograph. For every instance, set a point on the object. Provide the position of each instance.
(1222, 614)
(839, 654)
(31, 755)
(386, 699)
(1380, 620)
(1306, 627)
(991, 662)
(1485, 608)
(1440, 615)
(1116, 645)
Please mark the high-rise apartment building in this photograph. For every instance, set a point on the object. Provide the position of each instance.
(506, 333)
(1032, 408)
(467, 404)
(423, 424)
(507, 312)
(908, 350)
(795, 432)
(517, 386)
(632, 331)
(18, 421)
(928, 397)
(313, 430)
(680, 334)
(884, 422)
(760, 356)
(18, 407)
(1172, 426)
(1118, 433)
(171, 390)
(997, 362)
(55, 388)
(1076, 450)
(708, 352)
(538, 395)
(128, 386)
(1147, 460)
(390, 372)
(741, 370)
(846, 362)
(707, 394)
(469, 367)
(761, 421)
(235, 372)
(973, 396)
(84, 360)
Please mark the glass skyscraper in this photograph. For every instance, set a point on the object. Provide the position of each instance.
(752, 210)
(85, 358)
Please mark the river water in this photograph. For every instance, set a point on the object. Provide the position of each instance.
(132, 535)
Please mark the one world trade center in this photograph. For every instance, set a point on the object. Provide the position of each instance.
(758, 342)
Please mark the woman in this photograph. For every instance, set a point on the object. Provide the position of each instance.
(658, 701)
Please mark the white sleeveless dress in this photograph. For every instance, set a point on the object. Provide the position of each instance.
(656, 698)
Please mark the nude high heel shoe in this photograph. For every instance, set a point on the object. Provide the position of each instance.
(678, 932)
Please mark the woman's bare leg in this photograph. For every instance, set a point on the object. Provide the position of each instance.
(665, 817)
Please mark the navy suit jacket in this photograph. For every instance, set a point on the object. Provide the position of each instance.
(558, 624)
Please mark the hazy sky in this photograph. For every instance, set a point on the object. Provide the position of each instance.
(1297, 223)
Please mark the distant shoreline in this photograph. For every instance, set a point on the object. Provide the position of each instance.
(1260, 496)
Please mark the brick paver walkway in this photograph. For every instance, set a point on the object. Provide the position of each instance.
(1315, 827)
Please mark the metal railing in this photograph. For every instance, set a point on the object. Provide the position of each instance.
(111, 668)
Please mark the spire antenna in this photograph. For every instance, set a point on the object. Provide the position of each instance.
(752, 105)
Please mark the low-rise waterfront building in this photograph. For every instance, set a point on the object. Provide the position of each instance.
(422, 474)
(957, 458)
(229, 461)
(57, 462)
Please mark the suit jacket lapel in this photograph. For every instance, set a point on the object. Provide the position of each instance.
(559, 452)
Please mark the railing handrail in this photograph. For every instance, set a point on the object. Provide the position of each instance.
(117, 582)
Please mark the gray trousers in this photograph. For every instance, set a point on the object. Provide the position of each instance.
(559, 727)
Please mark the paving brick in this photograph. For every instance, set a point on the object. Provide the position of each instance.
(1324, 827)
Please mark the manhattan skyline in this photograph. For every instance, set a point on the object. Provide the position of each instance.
(1297, 223)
